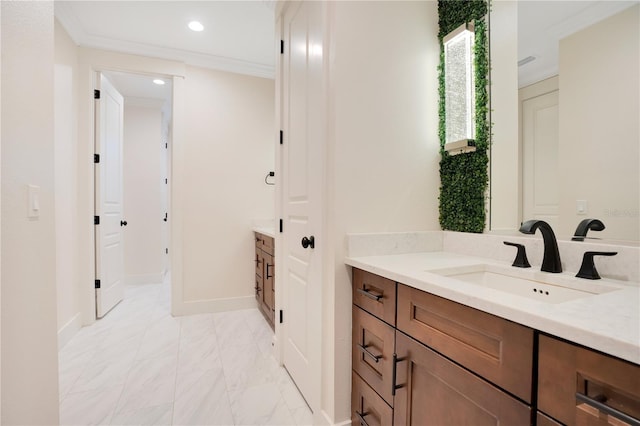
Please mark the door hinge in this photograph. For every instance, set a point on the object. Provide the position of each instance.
(96, 158)
(96, 220)
(166, 181)
(96, 94)
(166, 251)
(281, 47)
(166, 145)
(281, 317)
(281, 225)
(97, 284)
(281, 137)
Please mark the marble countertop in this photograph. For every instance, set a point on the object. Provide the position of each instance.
(265, 230)
(608, 322)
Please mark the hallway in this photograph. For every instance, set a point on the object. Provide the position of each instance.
(140, 365)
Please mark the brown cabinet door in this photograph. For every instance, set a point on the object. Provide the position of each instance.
(375, 295)
(372, 352)
(434, 391)
(584, 387)
(367, 408)
(499, 350)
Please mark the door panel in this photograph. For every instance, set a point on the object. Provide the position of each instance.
(302, 160)
(434, 391)
(540, 158)
(108, 195)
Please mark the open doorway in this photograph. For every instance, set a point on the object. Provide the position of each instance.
(132, 249)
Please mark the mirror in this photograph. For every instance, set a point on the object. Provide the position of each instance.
(578, 155)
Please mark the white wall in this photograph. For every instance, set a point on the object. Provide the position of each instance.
(29, 344)
(228, 149)
(143, 177)
(65, 159)
(599, 128)
(383, 165)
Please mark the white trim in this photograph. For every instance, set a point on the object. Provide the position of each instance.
(217, 305)
(144, 279)
(69, 330)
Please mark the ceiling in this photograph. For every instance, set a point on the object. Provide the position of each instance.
(239, 36)
(542, 24)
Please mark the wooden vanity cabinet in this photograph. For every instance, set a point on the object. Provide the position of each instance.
(265, 282)
(579, 386)
(442, 363)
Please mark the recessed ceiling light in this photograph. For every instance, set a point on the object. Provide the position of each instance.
(159, 82)
(196, 26)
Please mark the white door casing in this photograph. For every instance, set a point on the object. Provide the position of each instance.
(540, 123)
(108, 197)
(302, 163)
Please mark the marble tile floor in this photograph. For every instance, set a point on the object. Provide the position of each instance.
(141, 366)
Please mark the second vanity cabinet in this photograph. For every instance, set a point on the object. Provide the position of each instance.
(423, 360)
(265, 270)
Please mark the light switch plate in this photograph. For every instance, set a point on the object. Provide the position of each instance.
(33, 200)
(581, 207)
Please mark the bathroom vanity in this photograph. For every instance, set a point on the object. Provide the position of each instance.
(432, 348)
(265, 271)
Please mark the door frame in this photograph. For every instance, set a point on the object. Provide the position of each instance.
(90, 62)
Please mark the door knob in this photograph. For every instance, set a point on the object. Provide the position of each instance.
(308, 242)
(123, 223)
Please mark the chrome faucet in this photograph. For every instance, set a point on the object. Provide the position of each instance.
(551, 259)
(584, 226)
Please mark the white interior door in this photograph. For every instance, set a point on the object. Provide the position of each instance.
(108, 198)
(540, 158)
(302, 163)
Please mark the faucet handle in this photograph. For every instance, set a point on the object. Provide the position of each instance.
(521, 260)
(588, 267)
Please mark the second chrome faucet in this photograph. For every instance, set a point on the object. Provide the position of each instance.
(551, 258)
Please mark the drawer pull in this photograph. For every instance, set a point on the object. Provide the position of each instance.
(363, 422)
(394, 374)
(366, 351)
(370, 295)
(607, 409)
(269, 276)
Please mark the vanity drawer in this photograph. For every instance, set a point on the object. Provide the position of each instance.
(375, 294)
(567, 373)
(372, 352)
(368, 405)
(498, 350)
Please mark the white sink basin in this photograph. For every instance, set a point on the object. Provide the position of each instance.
(542, 286)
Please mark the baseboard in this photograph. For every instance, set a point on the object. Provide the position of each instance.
(69, 330)
(144, 279)
(330, 422)
(216, 305)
